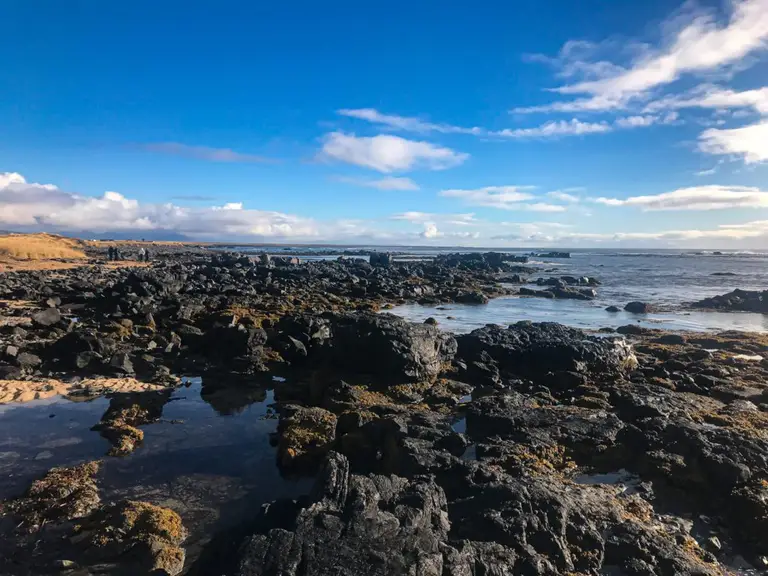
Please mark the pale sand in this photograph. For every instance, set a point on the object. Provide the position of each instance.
(28, 390)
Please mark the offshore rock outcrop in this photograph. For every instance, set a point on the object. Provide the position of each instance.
(737, 301)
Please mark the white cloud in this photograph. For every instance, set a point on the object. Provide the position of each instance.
(503, 197)
(430, 230)
(29, 205)
(696, 198)
(554, 129)
(408, 124)
(382, 183)
(387, 153)
(714, 97)
(754, 229)
(699, 45)
(507, 197)
(748, 142)
(203, 152)
(563, 196)
(423, 217)
(707, 172)
(543, 207)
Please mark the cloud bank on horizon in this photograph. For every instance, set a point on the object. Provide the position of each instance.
(689, 90)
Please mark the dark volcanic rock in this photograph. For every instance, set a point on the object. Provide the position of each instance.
(612, 309)
(532, 350)
(389, 525)
(637, 308)
(738, 300)
(380, 259)
(389, 348)
(352, 525)
(228, 342)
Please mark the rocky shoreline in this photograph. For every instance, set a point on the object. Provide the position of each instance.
(527, 449)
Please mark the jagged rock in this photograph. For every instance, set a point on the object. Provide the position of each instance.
(389, 348)
(533, 350)
(122, 363)
(380, 259)
(224, 342)
(375, 525)
(738, 300)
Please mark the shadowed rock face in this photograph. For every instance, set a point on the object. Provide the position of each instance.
(356, 525)
(389, 347)
(379, 525)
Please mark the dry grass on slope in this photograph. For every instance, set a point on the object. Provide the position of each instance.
(39, 247)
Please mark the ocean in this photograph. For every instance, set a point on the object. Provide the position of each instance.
(666, 279)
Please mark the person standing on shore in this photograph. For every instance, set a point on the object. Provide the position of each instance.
(111, 254)
(142, 254)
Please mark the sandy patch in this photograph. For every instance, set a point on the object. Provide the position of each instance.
(28, 390)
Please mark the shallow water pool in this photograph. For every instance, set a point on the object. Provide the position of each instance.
(208, 458)
(462, 318)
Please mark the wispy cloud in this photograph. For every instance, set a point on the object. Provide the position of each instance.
(405, 123)
(203, 152)
(503, 197)
(552, 129)
(387, 153)
(382, 183)
(563, 196)
(707, 172)
(467, 219)
(749, 143)
(559, 128)
(696, 44)
(696, 198)
(713, 97)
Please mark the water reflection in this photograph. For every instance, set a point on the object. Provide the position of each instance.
(208, 457)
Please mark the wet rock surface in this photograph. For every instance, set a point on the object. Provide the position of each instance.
(738, 300)
(526, 449)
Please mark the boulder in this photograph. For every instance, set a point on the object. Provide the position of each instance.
(46, 318)
(474, 297)
(531, 350)
(738, 300)
(637, 308)
(228, 342)
(305, 436)
(28, 360)
(380, 259)
(389, 348)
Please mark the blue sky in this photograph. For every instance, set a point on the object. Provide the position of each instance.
(561, 123)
